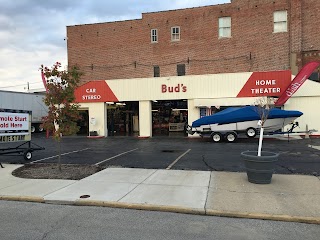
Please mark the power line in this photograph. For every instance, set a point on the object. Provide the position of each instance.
(20, 85)
(136, 63)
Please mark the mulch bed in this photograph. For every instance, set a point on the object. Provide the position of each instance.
(51, 171)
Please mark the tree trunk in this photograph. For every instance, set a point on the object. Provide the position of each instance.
(260, 141)
(59, 158)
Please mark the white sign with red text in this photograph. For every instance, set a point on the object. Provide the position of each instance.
(14, 121)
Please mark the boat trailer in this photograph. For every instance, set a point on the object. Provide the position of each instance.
(26, 148)
(217, 136)
(291, 131)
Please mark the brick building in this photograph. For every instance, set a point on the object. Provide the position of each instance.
(172, 67)
(241, 36)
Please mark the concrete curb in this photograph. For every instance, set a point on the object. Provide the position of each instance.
(163, 208)
(177, 209)
(137, 206)
(23, 198)
(262, 216)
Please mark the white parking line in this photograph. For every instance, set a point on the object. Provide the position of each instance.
(61, 155)
(315, 147)
(175, 161)
(108, 159)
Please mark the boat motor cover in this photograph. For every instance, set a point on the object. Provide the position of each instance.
(243, 114)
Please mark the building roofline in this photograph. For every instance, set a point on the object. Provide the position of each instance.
(146, 13)
(180, 9)
(85, 24)
(27, 93)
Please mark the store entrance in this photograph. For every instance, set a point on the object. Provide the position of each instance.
(123, 119)
(83, 123)
(169, 118)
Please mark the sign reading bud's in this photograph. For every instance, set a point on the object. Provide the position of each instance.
(171, 89)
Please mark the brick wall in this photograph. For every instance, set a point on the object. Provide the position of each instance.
(310, 32)
(123, 49)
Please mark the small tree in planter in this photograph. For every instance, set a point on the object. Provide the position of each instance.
(264, 106)
(62, 111)
(260, 166)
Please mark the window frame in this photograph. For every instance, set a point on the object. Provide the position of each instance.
(315, 76)
(154, 36)
(184, 69)
(222, 27)
(174, 35)
(155, 72)
(279, 22)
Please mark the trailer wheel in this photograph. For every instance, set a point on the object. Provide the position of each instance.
(216, 137)
(251, 132)
(27, 155)
(33, 129)
(231, 136)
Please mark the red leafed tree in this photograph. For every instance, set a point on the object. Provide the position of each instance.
(63, 112)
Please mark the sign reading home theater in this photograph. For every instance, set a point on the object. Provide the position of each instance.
(266, 84)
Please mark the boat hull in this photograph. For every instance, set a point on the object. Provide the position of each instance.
(270, 125)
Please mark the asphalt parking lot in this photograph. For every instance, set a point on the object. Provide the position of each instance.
(296, 156)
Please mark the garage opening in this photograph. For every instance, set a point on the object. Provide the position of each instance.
(169, 118)
(123, 119)
(83, 123)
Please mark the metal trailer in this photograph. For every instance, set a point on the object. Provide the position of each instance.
(15, 127)
(25, 148)
(28, 102)
(231, 135)
(291, 131)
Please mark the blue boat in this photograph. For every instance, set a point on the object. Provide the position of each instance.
(233, 120)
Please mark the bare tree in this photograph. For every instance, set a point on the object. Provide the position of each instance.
(264, 106)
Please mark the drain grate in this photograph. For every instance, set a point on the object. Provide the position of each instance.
(84, 196)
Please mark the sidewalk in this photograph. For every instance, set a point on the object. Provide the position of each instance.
(287, 198)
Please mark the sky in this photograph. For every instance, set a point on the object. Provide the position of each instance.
(33, 32)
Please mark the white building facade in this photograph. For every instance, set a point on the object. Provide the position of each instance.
(200, 91)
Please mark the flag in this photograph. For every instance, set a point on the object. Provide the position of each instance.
(44, 81)
(209, 111)
(296, 83)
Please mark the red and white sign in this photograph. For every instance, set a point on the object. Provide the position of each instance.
(14, 121)
(95, 91)
(296, 83)
(266, 84)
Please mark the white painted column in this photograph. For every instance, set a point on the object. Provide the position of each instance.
(145, 119)
(105, 119)
(193, 114)
(97, 111)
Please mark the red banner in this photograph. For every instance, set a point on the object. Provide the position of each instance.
(44, 81)
(296, 83)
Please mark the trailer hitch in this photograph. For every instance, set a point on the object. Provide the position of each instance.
(189, 130)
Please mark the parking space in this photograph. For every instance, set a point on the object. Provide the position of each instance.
(296, 156)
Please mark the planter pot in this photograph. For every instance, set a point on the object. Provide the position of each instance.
(259, 168)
